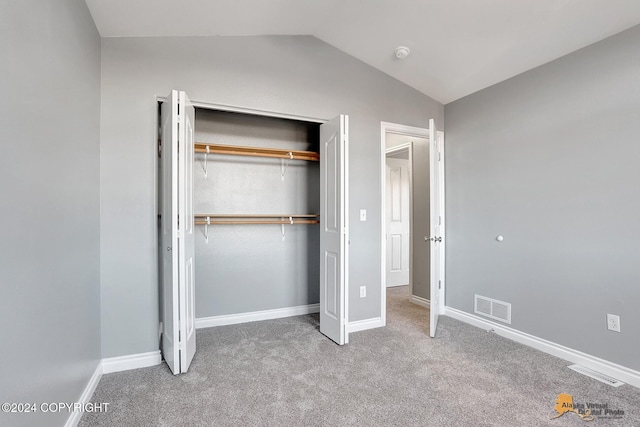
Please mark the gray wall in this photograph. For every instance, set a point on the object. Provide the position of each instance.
(550, 160)
(49, 182)
(296, 75)
(245, 268)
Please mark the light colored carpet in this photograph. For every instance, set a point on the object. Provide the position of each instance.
(284, 372)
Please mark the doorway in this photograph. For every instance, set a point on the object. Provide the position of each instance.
(415, 153)
(398, 210)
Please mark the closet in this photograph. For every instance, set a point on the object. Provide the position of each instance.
(253, 219)
(256, 206)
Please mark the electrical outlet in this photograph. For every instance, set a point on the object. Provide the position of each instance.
(613, 322)
(363, 291)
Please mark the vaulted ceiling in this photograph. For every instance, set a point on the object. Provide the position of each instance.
(457, 46)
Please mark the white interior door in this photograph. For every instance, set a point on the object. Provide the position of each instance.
(334, 228)
(398, 220)
(435, 221)
(169, 233)
(186, 228)
(178, 316)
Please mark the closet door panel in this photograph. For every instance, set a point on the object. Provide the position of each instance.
(169, 232)
(333, 229)
(186, 226)
(177, 232)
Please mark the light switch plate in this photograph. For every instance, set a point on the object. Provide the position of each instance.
(363, 214)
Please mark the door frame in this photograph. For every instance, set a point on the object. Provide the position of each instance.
(416, 132)
(408, 146)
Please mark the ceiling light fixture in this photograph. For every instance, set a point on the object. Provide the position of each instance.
(402, 52)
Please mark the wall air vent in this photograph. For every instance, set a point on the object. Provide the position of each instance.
(489, 307)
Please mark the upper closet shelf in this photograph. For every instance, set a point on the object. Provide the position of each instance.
(237, 150)
(212, 219)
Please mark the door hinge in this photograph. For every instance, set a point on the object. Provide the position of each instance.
(439, 284)
(439, 219)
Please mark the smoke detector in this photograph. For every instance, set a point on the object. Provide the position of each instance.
(402, 52)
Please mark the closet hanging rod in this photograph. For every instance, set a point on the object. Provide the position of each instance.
(200, 216)
(230, 219)
(237, 150)
(257, 221)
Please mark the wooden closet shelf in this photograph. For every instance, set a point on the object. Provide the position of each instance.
(257, 221)
(226, 219)
(237, 150)
(257, 215)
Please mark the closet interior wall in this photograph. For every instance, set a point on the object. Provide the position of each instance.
(252, 267)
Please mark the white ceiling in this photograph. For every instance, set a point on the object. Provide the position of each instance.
(457, 46)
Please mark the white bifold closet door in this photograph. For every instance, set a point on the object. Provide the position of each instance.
(435, 226)
(177, 232)
(334, 228)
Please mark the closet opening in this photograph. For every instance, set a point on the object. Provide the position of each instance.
(257, 209)
(253, 221)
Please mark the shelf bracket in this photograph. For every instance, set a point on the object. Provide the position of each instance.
(283, 165)
(282, 226)
(206, 230)
(204, 163)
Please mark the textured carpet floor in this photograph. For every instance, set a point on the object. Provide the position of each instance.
(284, 372)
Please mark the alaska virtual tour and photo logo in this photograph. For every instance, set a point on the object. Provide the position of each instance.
(586, 411)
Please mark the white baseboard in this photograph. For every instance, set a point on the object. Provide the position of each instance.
(363, 325)
(131, 361)
(614, 370)
(421, 301)
(255, 316)
(86, 396)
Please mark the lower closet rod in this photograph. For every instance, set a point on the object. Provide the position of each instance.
(257, 221)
